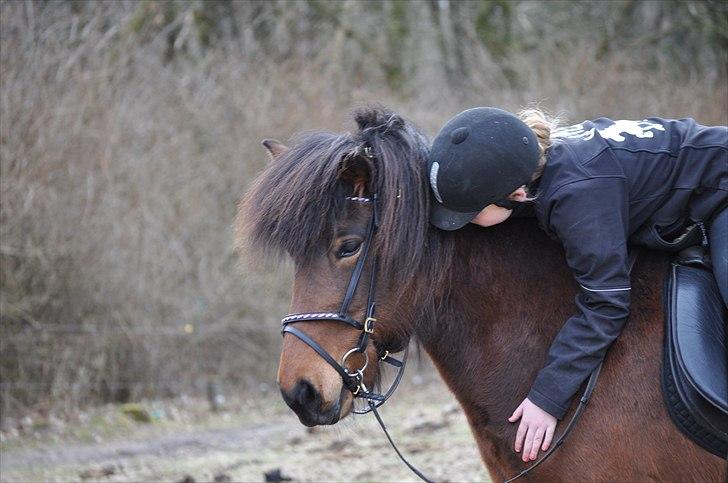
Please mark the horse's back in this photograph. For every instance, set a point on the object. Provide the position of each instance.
(628, 411)
(627, 417)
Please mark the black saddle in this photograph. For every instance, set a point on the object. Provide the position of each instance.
(695, 361)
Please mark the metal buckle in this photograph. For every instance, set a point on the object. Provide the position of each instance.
(359, 376)
(369, 325)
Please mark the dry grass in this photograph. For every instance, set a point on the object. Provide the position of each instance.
(128, 132)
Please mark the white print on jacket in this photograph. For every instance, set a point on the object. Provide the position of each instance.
(640, 129)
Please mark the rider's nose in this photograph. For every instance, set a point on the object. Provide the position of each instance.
(305, 400)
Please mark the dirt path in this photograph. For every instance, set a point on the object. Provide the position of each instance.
(121, 453)
(245, 442)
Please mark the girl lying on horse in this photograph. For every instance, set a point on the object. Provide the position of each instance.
(597, 187)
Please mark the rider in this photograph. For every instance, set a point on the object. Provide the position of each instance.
(595, 186)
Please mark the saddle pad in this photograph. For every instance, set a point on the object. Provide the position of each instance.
(698, 418)
(699, 320)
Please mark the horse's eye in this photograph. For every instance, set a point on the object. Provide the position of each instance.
(349, 248)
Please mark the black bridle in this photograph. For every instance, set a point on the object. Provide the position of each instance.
(354, 380)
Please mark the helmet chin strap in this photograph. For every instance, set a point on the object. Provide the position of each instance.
(508, 204)
(518, 209)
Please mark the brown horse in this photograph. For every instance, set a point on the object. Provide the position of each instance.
(484, 303)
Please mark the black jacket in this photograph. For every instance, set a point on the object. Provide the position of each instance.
(606, 184)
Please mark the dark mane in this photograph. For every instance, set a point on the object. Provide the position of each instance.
(294, 205)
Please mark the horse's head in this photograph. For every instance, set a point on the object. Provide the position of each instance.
(315, 202)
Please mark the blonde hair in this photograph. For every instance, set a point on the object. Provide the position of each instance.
(542, 124)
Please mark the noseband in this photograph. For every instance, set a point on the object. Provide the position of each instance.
(354, 381)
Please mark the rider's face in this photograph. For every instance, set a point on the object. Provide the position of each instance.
(491, 215)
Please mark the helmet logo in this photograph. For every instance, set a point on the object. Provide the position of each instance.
(433, 180)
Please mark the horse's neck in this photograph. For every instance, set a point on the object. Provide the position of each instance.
(492, 333)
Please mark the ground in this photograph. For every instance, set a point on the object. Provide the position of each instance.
(255, 434)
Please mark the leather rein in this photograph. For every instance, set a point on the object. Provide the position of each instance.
(354, 381)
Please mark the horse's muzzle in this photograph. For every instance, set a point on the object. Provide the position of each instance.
(308, 404)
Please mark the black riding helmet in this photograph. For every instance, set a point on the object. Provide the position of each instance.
(478, 158)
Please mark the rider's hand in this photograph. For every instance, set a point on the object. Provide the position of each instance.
(537, 427)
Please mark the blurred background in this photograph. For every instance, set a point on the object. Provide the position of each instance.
(129, 129)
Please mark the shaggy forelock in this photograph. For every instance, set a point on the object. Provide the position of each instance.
(293, 205)
(296, 203)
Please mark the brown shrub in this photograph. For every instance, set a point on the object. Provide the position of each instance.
(129, 130)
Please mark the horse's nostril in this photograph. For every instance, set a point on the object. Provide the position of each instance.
(307, 403)
(303, 397)
(306, 395)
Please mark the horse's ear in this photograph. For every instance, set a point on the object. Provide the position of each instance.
(275, 148)
(356, 171)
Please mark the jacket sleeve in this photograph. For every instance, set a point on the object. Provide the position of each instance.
(591, 219)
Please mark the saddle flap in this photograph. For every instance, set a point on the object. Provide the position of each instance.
(698, 317)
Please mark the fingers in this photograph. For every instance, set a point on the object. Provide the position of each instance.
(547, 438)
(519, 436)
(528, 444)
(516, 414)
(537, 439)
